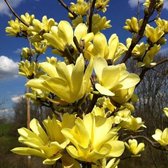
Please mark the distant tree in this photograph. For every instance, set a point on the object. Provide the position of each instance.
(20, 109)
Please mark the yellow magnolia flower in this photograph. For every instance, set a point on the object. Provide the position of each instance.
(132, 25)
(69, 82)
(43, 26)
(162, 24)
(153, 34)
(61, 37)
(40, 47)
(77, 20)
(134, 147)
(149, 57)
(165, 110)
(102, 5)
(132, 123)
(27, 52)
(112, 50)
(99, 23)
(116, 49)
(47, 143)
(96, 49)
(36, 95)
(38, 28)
(114, 80)
(28, 69)
(122, 115)
(80, 8)
(124, 118)
(93, 138)
(27, 18)
(108, 105)
(158, 4)
(16, 28)
(139, 50)
(161, 136)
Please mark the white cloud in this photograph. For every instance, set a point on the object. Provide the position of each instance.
(17, 99)
(8, 68)
(134, 3)
(165, 4)
(4, 8)
(7, 113)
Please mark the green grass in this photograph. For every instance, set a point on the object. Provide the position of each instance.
(6, 128)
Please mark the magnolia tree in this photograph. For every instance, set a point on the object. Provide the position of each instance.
(90, 91)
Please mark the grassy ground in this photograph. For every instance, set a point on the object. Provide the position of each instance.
(8, 140)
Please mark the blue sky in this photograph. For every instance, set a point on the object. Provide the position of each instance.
(11, 85)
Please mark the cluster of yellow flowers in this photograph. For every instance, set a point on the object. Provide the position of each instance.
(79, 136)
(91, 81)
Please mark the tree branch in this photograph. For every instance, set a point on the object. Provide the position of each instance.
(91, 15)
(15, 14)
(154, 144)
(67, 8)
(145, 69)
(140, 34)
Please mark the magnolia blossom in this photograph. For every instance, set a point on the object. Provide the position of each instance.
(134, 147)
(46, 143)
(161, 136)
(61, 37)
(114, 80)
(153, 34)
(93, 138)
(69, 82)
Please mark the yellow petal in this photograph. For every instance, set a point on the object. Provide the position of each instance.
(117, 148)
(38, 130)
(59, 87)
(65, 32)
(130, 81)
(103, 90)
(80, 31)
(52, 160)
(99, 65)
(27, 151)
(165, 110)
(77, 76)
(113, 45)
(49, 69)
(111, 76)
(98, 40)
(36, 83)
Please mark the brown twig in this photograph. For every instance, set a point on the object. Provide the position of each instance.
(145, 69)
(138, 10)
(77, 44)
(15, 14)
(154, 144)
(140, 34)
(90, 16)
(160, 62)
(67, 8)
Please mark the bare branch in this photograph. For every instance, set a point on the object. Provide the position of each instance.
(91, 15)
(15, 14)
(140, 34)
(145, 69)
(154, 144)
(67, 8)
